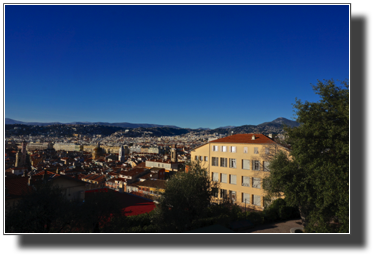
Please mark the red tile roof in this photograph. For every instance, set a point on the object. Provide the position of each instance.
(161, 184)
(245, 138)
(41, 173)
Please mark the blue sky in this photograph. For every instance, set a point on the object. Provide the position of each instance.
(189, 66)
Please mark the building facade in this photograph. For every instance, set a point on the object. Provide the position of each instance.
(67, 147)
(238, 164)
(39, 146)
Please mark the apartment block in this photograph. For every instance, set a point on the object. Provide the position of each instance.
(238, 163)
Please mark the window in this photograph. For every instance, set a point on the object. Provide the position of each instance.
(215, 192)
(214, 161)
(196, 158)
(246, 164)
(245, 181)
(233, 196)
(233, 179)
(255, 165)
(266, 166)
(215, 176)
(233, 163)
(206, 158)
(223, 193)
(224, 177)
(215, 148)
(257, 200)
(200, 158)
(233, 149)
(267, 151)
(223, 162)
(256, 150)
(224, 148)
(246, 198)
(257, 183)
(245, 150)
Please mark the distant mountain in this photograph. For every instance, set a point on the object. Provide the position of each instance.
(225, 127)
(275, 126)
(9, 121)
(282, 120)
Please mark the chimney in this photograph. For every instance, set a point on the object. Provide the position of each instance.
(252, 137)
(271, 135)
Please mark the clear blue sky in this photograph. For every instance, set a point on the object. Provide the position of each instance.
(189, 66)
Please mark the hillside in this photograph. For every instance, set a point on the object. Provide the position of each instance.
(275, 126)
(9, 121)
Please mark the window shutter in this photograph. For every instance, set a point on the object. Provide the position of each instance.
(246, 198)
(266, 166)
(257, 200)
(223, 177)
(233, 179)
(257, 183)
(245, 181)
(215, 176)
(246, 164)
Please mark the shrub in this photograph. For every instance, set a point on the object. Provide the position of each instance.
(279, 211)
(255, 217)
(270, 215)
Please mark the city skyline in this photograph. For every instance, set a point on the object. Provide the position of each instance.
(188, 66)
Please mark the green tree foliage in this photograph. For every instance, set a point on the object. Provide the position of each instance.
(97, 211)
(316, 176)
(278, 210)
(142, 223)
(186, 198)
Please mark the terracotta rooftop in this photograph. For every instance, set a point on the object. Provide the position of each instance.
(41, 173)
(161, 184)
(245, 138)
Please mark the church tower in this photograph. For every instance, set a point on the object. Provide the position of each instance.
(18, 162)
(121, 154)
(174, 156)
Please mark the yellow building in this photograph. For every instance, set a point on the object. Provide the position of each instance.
(238, 163)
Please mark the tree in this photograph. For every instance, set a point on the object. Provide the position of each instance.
(97, 211)
(46, 210)
(315, 177)
(186, 198)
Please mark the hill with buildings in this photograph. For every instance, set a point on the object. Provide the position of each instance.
(9, 121)
(12, 127)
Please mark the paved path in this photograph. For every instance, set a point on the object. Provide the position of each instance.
(282, 227)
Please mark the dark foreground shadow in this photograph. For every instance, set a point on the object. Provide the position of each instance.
(279, 227)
